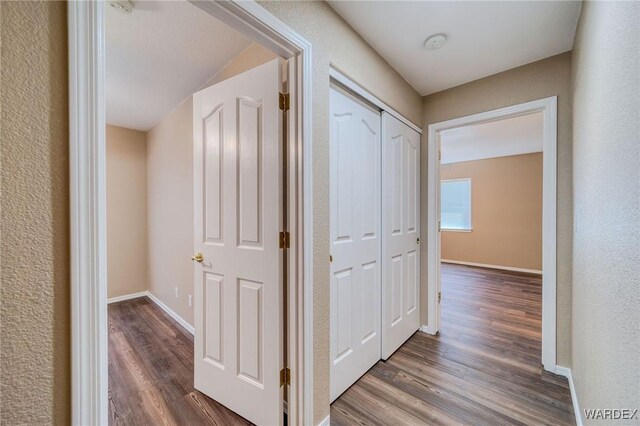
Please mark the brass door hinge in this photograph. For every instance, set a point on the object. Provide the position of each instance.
(439, 296)
(284, 239)
(285, 377)
(439, 155)
(284, 101)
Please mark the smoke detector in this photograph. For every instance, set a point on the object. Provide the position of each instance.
(123, 6)
(435, 41)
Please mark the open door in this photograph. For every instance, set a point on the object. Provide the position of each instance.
(400, 233)
(238, 268)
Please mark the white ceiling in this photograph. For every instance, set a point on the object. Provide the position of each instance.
(502, 138)
(159, 55)
(483, 37)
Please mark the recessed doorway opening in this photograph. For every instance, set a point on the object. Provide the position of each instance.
(457, 206)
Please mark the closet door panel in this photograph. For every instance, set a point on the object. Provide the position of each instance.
(355, 240)
(400, 233)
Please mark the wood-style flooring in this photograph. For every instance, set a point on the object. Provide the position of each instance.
(484, 367)
(151, 371)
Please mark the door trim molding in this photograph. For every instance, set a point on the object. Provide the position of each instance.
(548, 107)
(353, 87)
(87, 154)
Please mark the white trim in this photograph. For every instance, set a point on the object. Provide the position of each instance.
(548, 107)
(566, 372)
(89, 356)
(363, 93)
(428, 330)
(126, 297)
(325, 422)
(88, 202)
(170, 312)
(158, 303)
(486, 265)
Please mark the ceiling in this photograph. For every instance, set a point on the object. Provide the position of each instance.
(483, 37)
(159, 55)
(502, 138)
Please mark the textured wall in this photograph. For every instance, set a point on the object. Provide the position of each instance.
(34, 218)
(506, 212)
(170, 193)
(126, 211)
(606, 191)
(334, 42)
(548, 77)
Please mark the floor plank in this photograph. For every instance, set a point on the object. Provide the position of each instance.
(484, 367)
(151, 371)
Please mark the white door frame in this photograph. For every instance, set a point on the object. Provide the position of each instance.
(548, 107)
(89, 356)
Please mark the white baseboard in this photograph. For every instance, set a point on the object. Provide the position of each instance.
(566, 372)
(485, 265)
(427, 329)
(325, 422)
(161, 305)
(126, 297)
(171, 313)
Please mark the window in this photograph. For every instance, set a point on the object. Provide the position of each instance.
(455, 204)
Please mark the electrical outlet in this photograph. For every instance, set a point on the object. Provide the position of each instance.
(176, 292)
(190, 300)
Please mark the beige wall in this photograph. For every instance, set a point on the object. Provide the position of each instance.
(126, 211)
(34, 218)
(170, 194)
(170, 209)
(606, 191)
(506, 212)
(548, 77)
(334, 42)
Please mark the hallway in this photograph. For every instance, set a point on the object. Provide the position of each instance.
(483, 368)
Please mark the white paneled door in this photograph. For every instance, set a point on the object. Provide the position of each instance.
(400, 233)
(355, 240)
(238, 283)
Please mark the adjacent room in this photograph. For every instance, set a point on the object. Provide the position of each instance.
(491, 210)
(158, 82)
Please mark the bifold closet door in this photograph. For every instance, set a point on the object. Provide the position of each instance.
(400, 233)
(355, 189)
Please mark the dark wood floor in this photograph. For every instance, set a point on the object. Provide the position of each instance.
(151, 371)
(483, 368)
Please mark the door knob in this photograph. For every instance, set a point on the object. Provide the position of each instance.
(198, 257)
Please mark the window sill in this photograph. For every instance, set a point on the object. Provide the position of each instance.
(456, 230)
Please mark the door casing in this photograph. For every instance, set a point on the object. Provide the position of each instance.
(548, 107)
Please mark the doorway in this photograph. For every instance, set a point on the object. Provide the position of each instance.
(202, 236)
(88, 223)
(461, 188)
